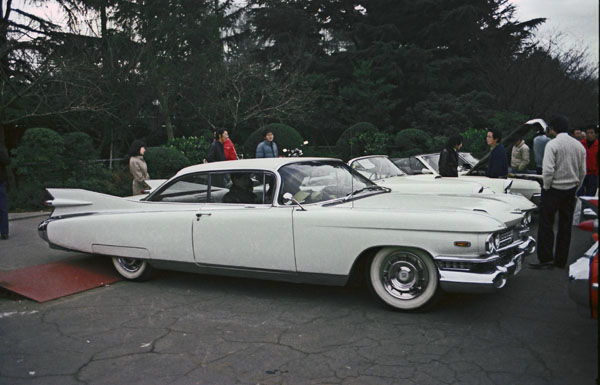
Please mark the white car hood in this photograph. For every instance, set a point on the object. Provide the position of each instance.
(460, 204)
(428, 184)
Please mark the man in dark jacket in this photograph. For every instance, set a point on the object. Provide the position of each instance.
(498, 163)
(4, 161)
(448, 163)
(216, 151)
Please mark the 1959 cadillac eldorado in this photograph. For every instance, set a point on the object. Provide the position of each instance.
(309, 220)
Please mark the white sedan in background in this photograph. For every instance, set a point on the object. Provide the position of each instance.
(426, 167)
(306, 220)
(381, 170)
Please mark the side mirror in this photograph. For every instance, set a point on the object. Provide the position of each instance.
(288, 199)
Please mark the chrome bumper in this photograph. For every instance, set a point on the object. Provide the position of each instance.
(472, 282)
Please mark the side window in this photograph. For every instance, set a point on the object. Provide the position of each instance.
(191, 188)
(245, 187)
(249, 187)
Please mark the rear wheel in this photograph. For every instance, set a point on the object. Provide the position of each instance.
(403, 279)
(132, 268)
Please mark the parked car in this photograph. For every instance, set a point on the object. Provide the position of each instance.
(307, 220)
(384, 172)
(583, 273)
(426, 166)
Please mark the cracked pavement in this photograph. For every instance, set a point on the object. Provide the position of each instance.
(193, 329)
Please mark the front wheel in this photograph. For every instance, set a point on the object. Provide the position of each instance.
(403, 279)
(132, 269)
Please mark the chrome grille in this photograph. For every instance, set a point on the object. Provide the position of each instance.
(506, 238)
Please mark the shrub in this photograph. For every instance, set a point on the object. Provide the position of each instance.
(474, 142)
(164, 162)
(354, 140)
(38, 163)
(194, 148)
(39, 156)
(285, 137)
(412, 141)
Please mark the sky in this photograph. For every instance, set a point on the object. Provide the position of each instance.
(576, 20)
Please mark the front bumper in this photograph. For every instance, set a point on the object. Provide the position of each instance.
(498, 270)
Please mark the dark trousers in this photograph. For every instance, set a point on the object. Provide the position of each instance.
(554, 200)
(3, 209)
(589, 186)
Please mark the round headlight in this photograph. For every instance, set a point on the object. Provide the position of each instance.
(527, 219)
(490, 244)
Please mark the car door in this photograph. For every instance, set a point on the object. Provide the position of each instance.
(249, 235)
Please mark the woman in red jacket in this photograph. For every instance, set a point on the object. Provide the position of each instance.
(590, 183)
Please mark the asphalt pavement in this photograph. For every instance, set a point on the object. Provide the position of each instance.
(193, 329)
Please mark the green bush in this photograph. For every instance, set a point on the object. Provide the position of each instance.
(412, 141)
(474, 142)
(285, 137)
(39, 156)
(355, 139)
(164, 162)
(38, 163)
(439, 142)
(193, 148)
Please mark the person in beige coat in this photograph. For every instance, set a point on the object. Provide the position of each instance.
(519, 159)
(138, 167)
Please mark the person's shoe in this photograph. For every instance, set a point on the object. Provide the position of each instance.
(4, 236)
(541, 265)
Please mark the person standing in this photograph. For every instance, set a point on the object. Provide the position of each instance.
(267, 148)
(4, 161)
(563, 171)
(539, 145)
(590, 182)
(498, 163)
(138, 167)
(229, 149)
(519, 158)
(216, 151)
(448, 163)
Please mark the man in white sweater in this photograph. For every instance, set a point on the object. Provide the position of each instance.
(563, 170)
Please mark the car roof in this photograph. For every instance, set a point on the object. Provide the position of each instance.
(271, 164)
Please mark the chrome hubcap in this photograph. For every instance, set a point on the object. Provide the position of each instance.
(404, 275)
(132, 265)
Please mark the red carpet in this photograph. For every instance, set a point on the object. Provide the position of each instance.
(58, 279)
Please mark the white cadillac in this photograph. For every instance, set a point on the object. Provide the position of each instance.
(383, 171)
(308, 220)
(426, 167)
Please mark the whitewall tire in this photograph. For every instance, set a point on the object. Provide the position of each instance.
(132, 269)
(403, 279)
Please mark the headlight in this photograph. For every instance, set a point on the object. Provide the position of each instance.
(526, 219)
(492, 243)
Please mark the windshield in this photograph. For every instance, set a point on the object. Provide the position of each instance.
(466, 157)
(432, 160)
(376, 167)
(312, 182)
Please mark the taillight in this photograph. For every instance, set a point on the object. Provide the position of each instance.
(589, 225)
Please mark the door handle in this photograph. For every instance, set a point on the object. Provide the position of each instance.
(198, 215)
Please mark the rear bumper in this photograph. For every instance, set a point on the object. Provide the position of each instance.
(476, 282)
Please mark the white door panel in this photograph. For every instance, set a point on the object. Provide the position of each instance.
(258, 237)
